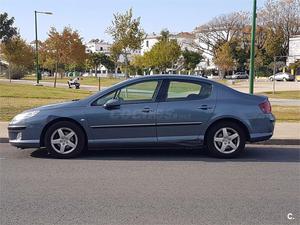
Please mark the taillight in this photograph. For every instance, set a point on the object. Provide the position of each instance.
(265, 107)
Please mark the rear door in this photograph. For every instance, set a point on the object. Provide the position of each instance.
(185, 108)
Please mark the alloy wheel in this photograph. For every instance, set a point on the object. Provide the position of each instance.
(226, 140)
(64, 140)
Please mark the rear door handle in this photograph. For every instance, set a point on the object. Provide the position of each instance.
(204, 107)
(147, 109)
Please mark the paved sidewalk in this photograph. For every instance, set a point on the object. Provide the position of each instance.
(285, 134)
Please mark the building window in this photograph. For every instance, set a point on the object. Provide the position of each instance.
(147, 44)
(101, 49)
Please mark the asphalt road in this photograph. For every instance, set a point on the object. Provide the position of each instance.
(178, 187)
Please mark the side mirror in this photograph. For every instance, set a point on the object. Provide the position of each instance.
(112, 104)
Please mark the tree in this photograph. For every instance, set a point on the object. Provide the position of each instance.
(281, 15)
(224, 59)
(97, 59)
(115, 52)
(274, 44)
(220, 30)
(19, 55)
(163, 55)
(191, 59)
(127, 34)
(7, 31)
(64, 49)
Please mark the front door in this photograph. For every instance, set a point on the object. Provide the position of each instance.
(186, 107)
(132, 122)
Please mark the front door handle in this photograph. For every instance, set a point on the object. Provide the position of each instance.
(146, 110)
(204, 107)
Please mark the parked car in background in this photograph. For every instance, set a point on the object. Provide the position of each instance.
(282, 77)
(149, 111)
(240, 75)
(46, 73)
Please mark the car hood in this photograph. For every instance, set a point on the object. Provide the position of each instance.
(58, 105)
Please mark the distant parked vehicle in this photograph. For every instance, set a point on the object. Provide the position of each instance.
(282, 77)
(45, 74)
(240, 75)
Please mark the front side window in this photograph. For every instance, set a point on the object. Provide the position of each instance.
(138, 92)
(104, 99)
(182, 90)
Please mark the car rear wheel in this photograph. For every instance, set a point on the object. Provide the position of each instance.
(64, 140)
(226, 140)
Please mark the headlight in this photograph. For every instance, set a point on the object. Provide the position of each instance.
(23, 116)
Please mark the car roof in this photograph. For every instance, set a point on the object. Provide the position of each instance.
(171, 76)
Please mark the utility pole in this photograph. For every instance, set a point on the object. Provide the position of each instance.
(252, 52)
(37, 70)
(36, 51)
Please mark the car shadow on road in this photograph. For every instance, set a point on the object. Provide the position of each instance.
(252, 154)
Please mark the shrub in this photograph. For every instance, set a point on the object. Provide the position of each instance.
(263, 71)
(16, 72)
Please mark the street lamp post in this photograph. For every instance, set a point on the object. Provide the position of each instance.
(37, 47)
(252, 51)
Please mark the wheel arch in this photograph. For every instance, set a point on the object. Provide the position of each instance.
(50, 123)
(228, 119)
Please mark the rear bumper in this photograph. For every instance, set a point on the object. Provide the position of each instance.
(260, 137)
(264, 129)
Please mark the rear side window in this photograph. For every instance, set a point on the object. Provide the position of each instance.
(182, 90)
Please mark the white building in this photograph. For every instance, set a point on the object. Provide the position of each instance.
(294, 49)
(96, 45)
(186, 40)
(149, 42)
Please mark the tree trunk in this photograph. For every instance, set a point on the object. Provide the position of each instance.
(55, 75)
(116, 70)
(126, 65)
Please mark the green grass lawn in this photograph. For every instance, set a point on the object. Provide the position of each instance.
(105, 82)
(286, 113)
(15, 98)
(283, 94)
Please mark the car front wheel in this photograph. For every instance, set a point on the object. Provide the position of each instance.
(226, 140)
(64, 140)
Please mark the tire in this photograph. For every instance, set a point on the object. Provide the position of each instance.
(65, 140)
(284, 79)
(229, 147)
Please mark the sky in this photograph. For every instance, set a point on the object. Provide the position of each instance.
(92, 17)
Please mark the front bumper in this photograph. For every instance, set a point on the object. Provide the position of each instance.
(23, 136)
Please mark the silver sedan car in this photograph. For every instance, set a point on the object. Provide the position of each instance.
(282, 77)
(147, 112)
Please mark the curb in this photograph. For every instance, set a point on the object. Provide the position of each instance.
(4, 140)
(280, 142)
(268, 142)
